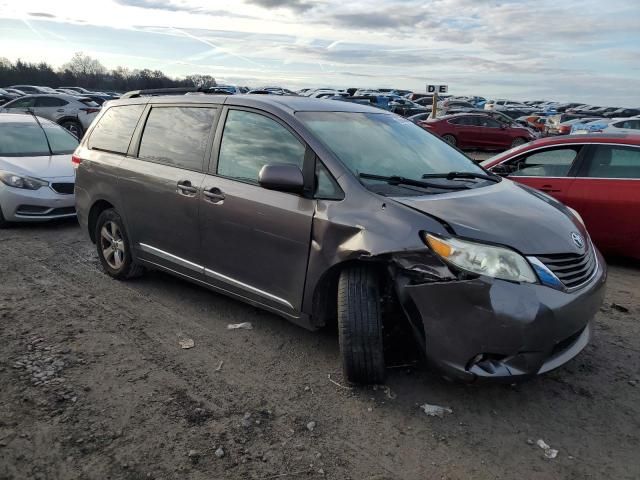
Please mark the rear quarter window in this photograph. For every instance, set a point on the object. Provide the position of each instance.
(114, 129)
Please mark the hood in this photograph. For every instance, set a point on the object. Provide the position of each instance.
(45, 167)
(506, 213)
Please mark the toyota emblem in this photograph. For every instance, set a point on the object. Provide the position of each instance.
(577, 239)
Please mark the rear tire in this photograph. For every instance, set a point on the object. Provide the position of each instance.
(518, 141)
(360, 325)
(114, 248)
(450, 139)
(74, 127)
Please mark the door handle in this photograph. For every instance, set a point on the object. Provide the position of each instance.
(214, 195)
(548, 189)
(60, 110)
(185, 188)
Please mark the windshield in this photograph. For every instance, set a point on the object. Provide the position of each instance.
(23, 139)
(386, 145)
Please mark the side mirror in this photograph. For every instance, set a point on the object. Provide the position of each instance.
(281, 177)
(503, 126)
(501, 170)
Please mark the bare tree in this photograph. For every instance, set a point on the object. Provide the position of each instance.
(82, 65)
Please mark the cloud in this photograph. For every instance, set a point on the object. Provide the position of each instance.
(384, 19)
(173, 6)
(295, 5)
(41, 14)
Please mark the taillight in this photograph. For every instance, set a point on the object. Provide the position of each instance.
(75, 161)
(90, 110)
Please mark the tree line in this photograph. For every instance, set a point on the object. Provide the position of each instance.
(87, 72)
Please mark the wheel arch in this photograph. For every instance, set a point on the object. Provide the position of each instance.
(96, 209)
(325, 295)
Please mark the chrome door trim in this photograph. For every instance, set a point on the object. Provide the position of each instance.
(171, 258)
(244, 286)
(213, 274)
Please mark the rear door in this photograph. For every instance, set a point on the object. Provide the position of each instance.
(550, 170)
(255, 242)
(53, 108)
(606, 193)
(161, 184)
(488, 132)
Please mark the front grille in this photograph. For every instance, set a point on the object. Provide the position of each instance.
(572, 269)
(63, 188)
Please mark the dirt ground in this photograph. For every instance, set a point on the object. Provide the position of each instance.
(94, 385)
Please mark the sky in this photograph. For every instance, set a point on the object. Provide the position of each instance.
(564, 50)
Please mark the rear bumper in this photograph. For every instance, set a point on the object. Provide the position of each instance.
(487, 329)
(19, 205)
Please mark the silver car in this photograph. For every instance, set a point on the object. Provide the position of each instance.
(71, 112)
(36, 173)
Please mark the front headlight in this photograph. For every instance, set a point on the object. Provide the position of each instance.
(482, 259)
(18, 181)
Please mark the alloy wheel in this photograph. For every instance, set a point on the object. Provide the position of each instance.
(112, 245)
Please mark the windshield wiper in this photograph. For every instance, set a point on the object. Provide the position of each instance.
(398, 180)
(453, 175)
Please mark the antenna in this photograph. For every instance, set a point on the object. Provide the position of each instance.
(46, 137)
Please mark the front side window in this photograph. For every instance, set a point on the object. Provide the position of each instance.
(549, 163)
(114, 129)
(21, 103)
(385, 145)
(250, 141)
(614, 162)
(177, 136)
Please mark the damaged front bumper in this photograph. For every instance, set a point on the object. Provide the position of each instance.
(485, 328)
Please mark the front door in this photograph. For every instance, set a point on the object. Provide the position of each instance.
(548, 170)
(255, 242)
(162, 186)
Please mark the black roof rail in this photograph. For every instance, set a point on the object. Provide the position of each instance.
(160, 91)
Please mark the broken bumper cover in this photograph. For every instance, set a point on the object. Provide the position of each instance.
(493, 329)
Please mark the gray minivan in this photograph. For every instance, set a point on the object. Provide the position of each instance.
(319, 210)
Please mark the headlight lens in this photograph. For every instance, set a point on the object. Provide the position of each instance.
(482, 259)
(17, 181)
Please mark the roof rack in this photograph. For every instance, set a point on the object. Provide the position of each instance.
(160, 91)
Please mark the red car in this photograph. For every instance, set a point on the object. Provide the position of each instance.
(598, 175)
(478, 131)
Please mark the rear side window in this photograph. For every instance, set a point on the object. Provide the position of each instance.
(115, 128)
(45, 102)
(250, 141)
(177, 136)
(549, 163)
(614, 162)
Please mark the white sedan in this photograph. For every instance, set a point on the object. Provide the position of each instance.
(36, 174)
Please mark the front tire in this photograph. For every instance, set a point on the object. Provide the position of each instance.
(3, 222)
(360, 325)
(114, 248)
(450, 139)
